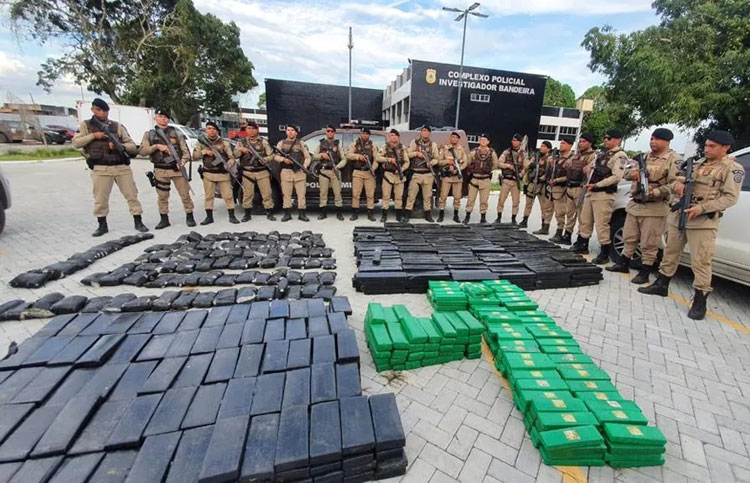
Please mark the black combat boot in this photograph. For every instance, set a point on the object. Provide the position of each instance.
(384, 216)
(269, 216)
(163, 222)
(557, 237)
(428, 216)
(513, 220)
(323, 215)
(399, 215)
(581, 245)
(102, 228)
(301, 216)
(189, 219)
(139, 224)
(355, 214)
(499, 218)
(232, 219)
(524, 222)
(698, 309)
(623, 266)
(566, 238)
(603, 256)
(287, 214)
(247, 216)
(642, 276)
(455, 217)
(544, 230)
(441, 216)
(339, 214)
(466, 218)
(659, 287)
(407, 216)
(483, 218)
(209, 218)
(370, 215)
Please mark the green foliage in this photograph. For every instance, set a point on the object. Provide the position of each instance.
(606, 114)
(692, 68)
(15, 154)
(262, 101)
(557, 94)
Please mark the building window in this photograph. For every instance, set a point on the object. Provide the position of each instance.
(472, 138)
(282, 127)
(568, 131)
(546, 129)
(480, 97)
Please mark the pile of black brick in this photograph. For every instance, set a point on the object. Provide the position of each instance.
(398, 258)
(268, 391)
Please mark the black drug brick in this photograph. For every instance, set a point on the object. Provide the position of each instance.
(299, 353)
(392, 467)
(193, 320)
(205, 406)
(238, 314)
(318, 470)
(324, 349)
(188, 458)
(389, 433)
(317, 326)
(259, 310)
(230, 336)
(207, 340)
(253, 331)
(170, 412)
(100, 352)
(129, 429)
(387, 454)
(75, 326)
(325, 433)
(129, 348)
(77, 469)
(297, 388)
(163, 375)
(99, 325)
(169, 323)
(238, 398)
(278, 309)
(337, 322)
(70, 387)
(322, 382)
(316, 308)
(47, 351)
(25, 349)
(222, 366)
(153, 458)
(224, 453)
(274, 330)
(15, 383)
(20, 443)
(297, 309)
(11, 416)
(276, 355)
(96, 433)
(7, 470)
(341, 304)
(347, 380)
(299, 475)
(248, 364)
(217, 317)
(194, 371)
(121, 324)
(114, 467)
(156, 348)
(66, 426)
(333, 477)
(359, 463)
(146, 323)
(357, 434)
(346, 346)
(132, 380)
(37, 470)
(292, 447)
(55, 325)
(269, 389)
(359, 478)
(296, 329)
(42, 385)
(104, 380)
(260, 449)
(182, 343)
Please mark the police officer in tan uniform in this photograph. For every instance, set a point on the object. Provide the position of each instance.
(360, 153)
(717, 182)
(255, 172)
(293, 178)
(215, 175)
(576, 177)
(328, 154)
(511, 163)
(166, 169)
(647, 212)
(596, 211)
(424, 154)
(450, 183)
(392, 156)
(108, 166)
(482, 161)
(537, 190)
(558, 190)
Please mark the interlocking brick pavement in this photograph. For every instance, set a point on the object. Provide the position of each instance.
(692, 378)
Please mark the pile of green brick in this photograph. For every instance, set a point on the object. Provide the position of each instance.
(398, 340)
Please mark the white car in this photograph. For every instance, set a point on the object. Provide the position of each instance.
(191, 137)
(732, 259)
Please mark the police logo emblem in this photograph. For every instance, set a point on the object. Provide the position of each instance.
(430, 76)
(739, 175)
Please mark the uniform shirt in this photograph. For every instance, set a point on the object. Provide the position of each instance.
(83, 137)
(662, 171)
(420, 164)
(293, 148)
(613, 160)
(248, 159)
(505, 162)
(173, 136)
(575, 164)
(332, 145)
(446, 158)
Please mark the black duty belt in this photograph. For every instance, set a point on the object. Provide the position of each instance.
(419, 171)
(293, 168)
(166, 166)
(362, 169)
(212, 170)
(574, 184)
(479, 176)
(102, 162)
(253, 169)
(510, 177)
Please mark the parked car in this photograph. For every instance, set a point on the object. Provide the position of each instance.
(66, 132)
(17, 131)
(5, 201)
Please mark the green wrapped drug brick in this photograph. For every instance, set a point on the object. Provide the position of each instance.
(597, 396)
(375, 314)
(524, 398)
(549, 332)
(542, 321)
(546, 421)
(401, 312)
(475, 326)
(635, 435)
(415, 356)
(549, 384)
(379, 338)
(556, 342)
(520, 360)
(495, 316)
(531, 374)
(443, 325)
(591, 386)
(634, 464)
(462, 330)
(626, 416)
(414, 331)
(559, 405)
(398, 336)
(559, 349)
(580, 437)
(532, 313)
(484, 300)
(519, 305)
(604, 405)
(571, 359)
(591, 372)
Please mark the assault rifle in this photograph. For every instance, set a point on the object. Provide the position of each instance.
(332, 158)
(579, 201)
(398, 164)
(457, 164)
(551, 174)
(112, 138)
(294, 161)
(219, 160)
(254, 152)
(687, 196)
(173, 155)
(514, 159)
(641, 194)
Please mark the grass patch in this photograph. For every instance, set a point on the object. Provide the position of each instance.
(41, 153)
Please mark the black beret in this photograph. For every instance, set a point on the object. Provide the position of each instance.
(567, 140)
(252, 124)
(588, 136)
(426, 127)
(296, 129)
(100, 103)
(393, 131)
(614, 133)
(212, 124)
(366, 130)
(547, 143)
(721, 137)
(485, 135)
(331, 126)
(454, 133)
(161, 112)
(662, 133)
(518, 137)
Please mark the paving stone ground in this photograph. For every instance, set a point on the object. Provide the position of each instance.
(690, 378)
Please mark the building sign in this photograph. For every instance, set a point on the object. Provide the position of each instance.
(485, 82)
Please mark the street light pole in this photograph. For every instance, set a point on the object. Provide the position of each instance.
(351, 46)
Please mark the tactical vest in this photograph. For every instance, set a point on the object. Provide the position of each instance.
(481, 163)
(658, 170)
(577, 163)
(391, 152)
(602, 171)
(560, 171)
(330, 148)
(364, 149)
(293, 149)
(164, 160)
(419, 165)
(448, 170)
(98, 150)
(543, 167)
(208, 161)
(509, 173)
(249, 160)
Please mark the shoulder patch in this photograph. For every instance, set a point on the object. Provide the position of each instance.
(739, 175)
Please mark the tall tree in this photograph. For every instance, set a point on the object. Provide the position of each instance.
(692, 69)
(145, 52)
(262, 101)
(558, 94)
(606, 114)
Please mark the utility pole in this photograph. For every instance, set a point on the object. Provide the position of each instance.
(464, 15)
(351, 46)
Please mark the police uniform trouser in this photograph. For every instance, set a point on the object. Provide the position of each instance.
(334, 183)
(392, 184)
(571, 210)
(420, 182)
(102, 178)
(452, 185)
(544, 202)
(210, 180)
(509, 187)
(293, 181)
(596, 214)
(560, 202)
(481, 187)
(163, 177)
(646, 231)
(263, 180)
(702, 243)
(363, 179)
